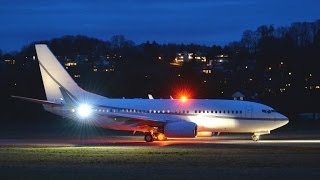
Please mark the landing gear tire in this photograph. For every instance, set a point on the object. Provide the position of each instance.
(255, 138)
(148, 137)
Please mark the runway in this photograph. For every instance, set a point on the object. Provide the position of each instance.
(122, 157)
(138, 141)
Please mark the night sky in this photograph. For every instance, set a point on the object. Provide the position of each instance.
(190, 21)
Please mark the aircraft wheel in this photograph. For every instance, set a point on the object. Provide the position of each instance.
(148, 137)
(255, 137)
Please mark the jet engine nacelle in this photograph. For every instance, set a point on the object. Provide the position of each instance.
(180, 129)
(204, 134)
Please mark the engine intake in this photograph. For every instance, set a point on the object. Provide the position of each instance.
(180, 129)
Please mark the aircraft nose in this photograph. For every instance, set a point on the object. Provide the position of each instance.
(283, 119)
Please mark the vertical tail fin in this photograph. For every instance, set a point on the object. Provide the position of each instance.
(57, 82)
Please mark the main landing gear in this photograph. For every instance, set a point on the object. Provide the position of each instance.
(255, 137)
(150, 137)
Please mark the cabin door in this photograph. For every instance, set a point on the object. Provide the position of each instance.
(248, 112)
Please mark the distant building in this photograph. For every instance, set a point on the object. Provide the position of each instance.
(187, 56)
(219, 62)
(9, 61)
(200, 58)
(183, 57)
(238, 96)
(70, 64)
(207, 71)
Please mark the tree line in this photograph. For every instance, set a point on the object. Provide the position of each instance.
(273, 65)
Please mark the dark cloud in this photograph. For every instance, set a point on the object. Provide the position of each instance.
(198, 21)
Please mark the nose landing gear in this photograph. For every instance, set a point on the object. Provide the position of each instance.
(256, 136)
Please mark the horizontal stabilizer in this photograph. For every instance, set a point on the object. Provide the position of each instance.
(37, 100)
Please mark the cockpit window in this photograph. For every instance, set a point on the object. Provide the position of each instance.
(268, 111)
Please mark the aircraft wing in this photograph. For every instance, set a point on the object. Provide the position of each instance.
(138, 119)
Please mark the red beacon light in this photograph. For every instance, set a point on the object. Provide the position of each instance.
(184, 98)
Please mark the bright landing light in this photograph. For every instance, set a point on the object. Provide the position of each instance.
(84, 110)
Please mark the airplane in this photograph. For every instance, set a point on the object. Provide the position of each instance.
(158, 119)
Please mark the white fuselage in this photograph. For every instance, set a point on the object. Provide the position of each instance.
(209, 115)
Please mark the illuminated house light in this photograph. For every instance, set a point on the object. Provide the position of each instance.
(186, 56)
(203, 59)
(281, 63)
(269, 68)
(77, 75)
(70, 64)
(246, 67)
(317, 87)
(109, 70)
(270, 79)
(222, 55)
(289, 73)
(282, 89)
(206, 71)
(10, 61)
(95, 69)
